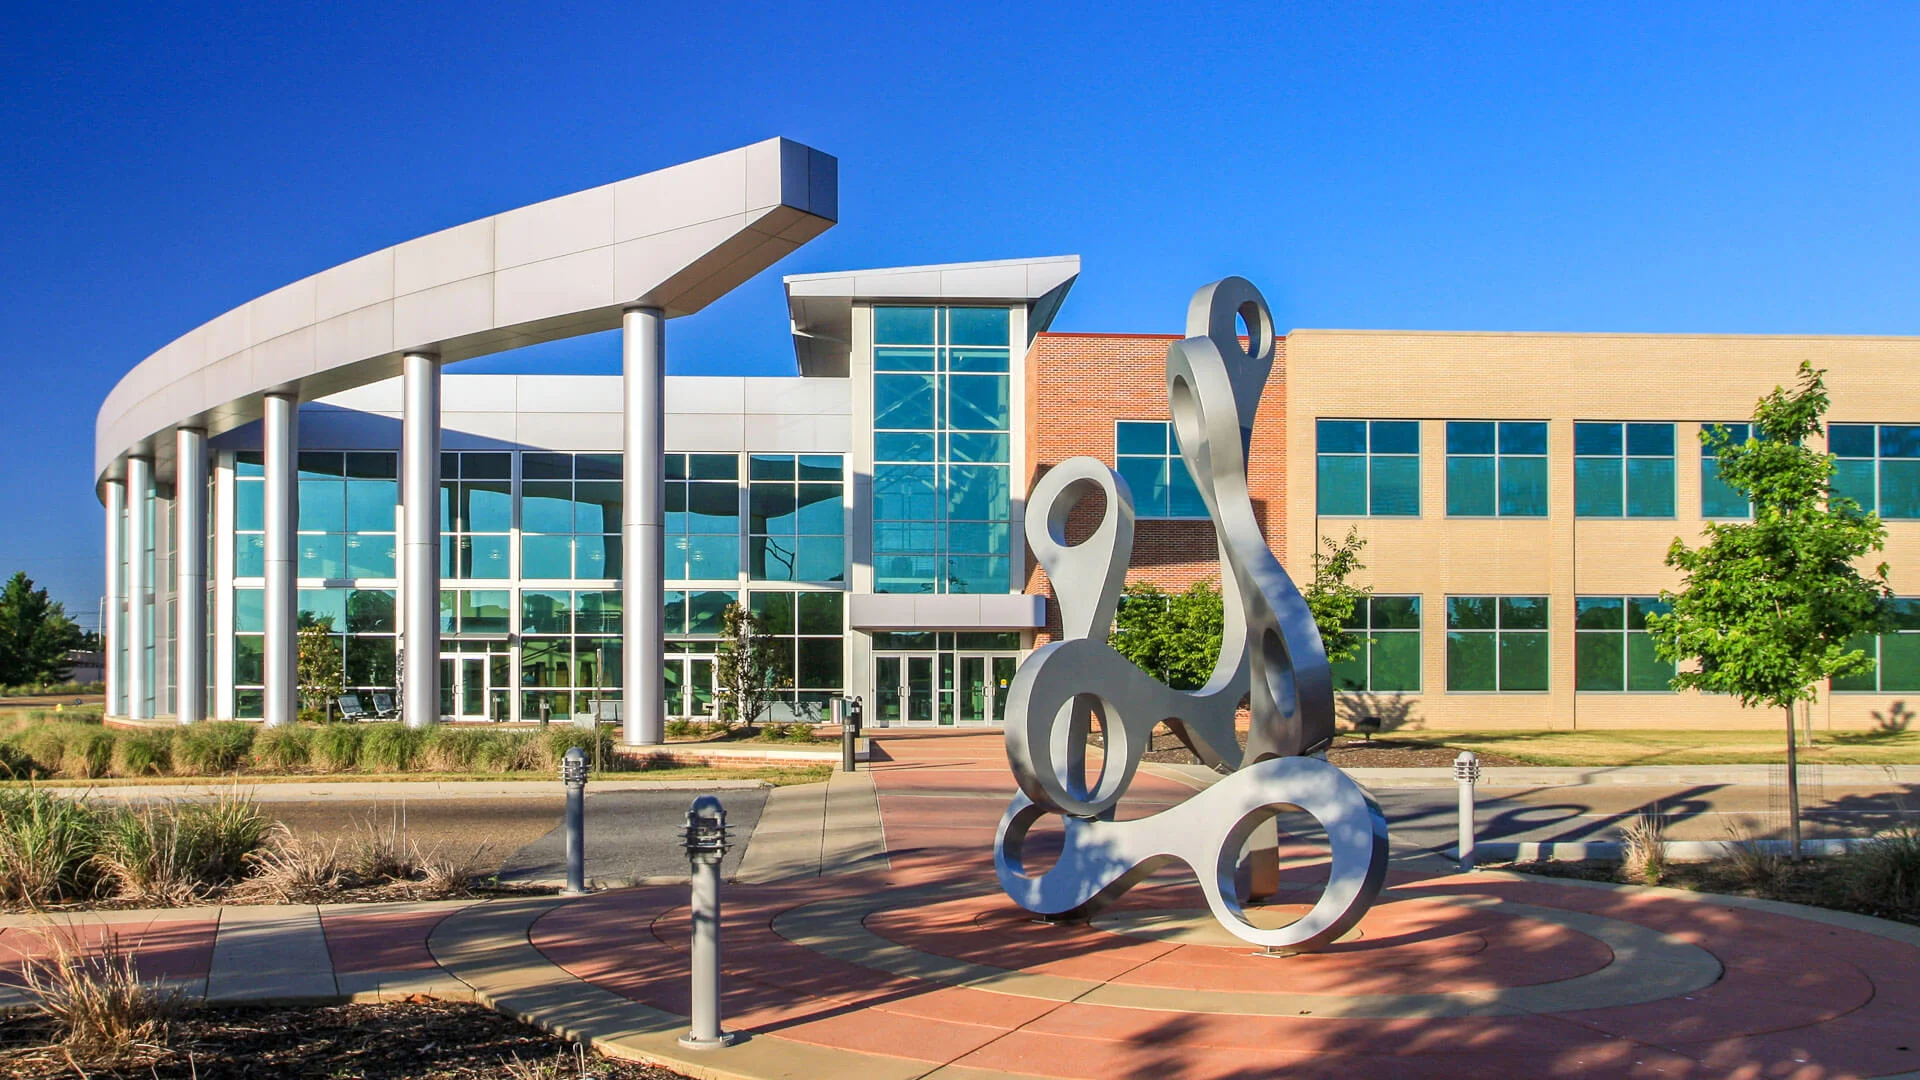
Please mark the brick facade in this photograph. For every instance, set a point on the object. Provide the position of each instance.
(1078, 385)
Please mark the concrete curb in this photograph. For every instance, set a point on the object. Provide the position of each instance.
(364, 790)
(1529, 776)
(1676, 850)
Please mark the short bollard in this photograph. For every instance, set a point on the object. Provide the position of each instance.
(707, 841)
(1466, 770)
(573, 773)
(849, 731)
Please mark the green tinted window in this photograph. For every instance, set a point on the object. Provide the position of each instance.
(1612, 649)
(1388, 660)
(1896, 655)
(1878, 466)
(1718, 499)
(1496, 468)
(1369, 467)
(1622, 470)
(1497, 643)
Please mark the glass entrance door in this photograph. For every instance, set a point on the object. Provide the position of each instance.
(903, 689)
(982, 695)
(463, 687)
(689, 686)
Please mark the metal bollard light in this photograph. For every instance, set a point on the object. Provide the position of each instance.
(573, 773)
(1466, 771)
(849, 731)
(707, 840)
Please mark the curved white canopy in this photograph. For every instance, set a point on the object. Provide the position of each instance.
(676, 239)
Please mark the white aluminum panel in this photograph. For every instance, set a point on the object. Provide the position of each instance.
(701, 190)
(366, 331)
(882, 286)
(480, 393)
(985, 281)
(558, 286)
(795, 434)
(423, 318)
(598, 432)
(226, 334)
(352, 285)
(570, 393)
(478, 430)
(710, 433)
(286, 358)
(810, 397)
(554, 228)
(449, 255)
(706, 393)
(880, 611)
(641, 265)
(282, 311)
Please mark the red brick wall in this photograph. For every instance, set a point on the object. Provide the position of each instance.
(1078, 385)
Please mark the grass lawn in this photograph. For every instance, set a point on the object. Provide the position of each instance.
(1603, 748)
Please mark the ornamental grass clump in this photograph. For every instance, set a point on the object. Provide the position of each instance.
(87, 752)
(1643, 847)
(596, 744)
(389, 748)
(455, 750)
(510, 751)
(47, 845)
(100, 1008)
(1885, 871)
(143, 753)
(212, 747)
(178, 852)
(283, 749)
(335, 748)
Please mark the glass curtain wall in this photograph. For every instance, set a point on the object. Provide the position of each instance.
(795, 518)
(942, 421)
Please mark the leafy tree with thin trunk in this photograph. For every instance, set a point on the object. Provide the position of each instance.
(748, 669)
(35, 635)
(1768, 608)
(1331, 599)
(1174, 637)
(318, 671)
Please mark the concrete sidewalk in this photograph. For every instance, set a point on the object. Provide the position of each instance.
(282, 791)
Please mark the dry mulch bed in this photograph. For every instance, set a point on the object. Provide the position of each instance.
(386, 893)
(1348, 752)
(1813, 882)
(415, 1040)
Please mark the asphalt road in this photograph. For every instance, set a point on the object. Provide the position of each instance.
(630, 834)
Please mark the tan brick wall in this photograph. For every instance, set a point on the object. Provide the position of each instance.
(1564, 378)
(1078, 385)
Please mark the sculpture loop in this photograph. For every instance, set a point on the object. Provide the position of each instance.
(1270, 654)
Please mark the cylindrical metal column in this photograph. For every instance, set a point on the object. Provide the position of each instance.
(190, 575)
(644, 496)
(420, 547)
(573, 775)
(139, 587)
(704, 1021)
(280, 451)
(110, 632)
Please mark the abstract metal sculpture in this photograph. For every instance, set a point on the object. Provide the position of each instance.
(1270, 654)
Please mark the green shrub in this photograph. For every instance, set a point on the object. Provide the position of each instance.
(1885, 871)
(336, 747)
(679, 729)
(143, 753)
(800, 732)
(455, 749)
(46, 744)
(389, 747)
(771, 732)
(47, 845)
(558, 740)
(313, 716)
(283, 749)
(174, 852)
(212, 747)
(88, 752)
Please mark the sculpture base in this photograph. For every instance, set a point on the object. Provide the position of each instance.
(1197, 926)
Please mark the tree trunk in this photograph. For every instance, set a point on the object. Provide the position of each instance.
(1793, 788)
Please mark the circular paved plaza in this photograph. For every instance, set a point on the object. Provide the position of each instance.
(916, 965)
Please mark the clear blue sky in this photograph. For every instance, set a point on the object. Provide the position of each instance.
(1742, 168)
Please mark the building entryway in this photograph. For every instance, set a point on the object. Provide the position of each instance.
(689, 686)
(474, 685)
(943, 689)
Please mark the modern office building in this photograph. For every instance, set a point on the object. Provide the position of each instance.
(582, 534)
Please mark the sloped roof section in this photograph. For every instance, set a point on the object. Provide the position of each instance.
(821, 305)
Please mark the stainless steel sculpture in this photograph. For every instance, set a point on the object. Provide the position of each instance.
(1270, 653)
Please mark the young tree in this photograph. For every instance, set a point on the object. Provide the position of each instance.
(1331, 599)
(748, 670)
(35, 635)
(318, 671)
(1173, 637)
(1768, 607)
